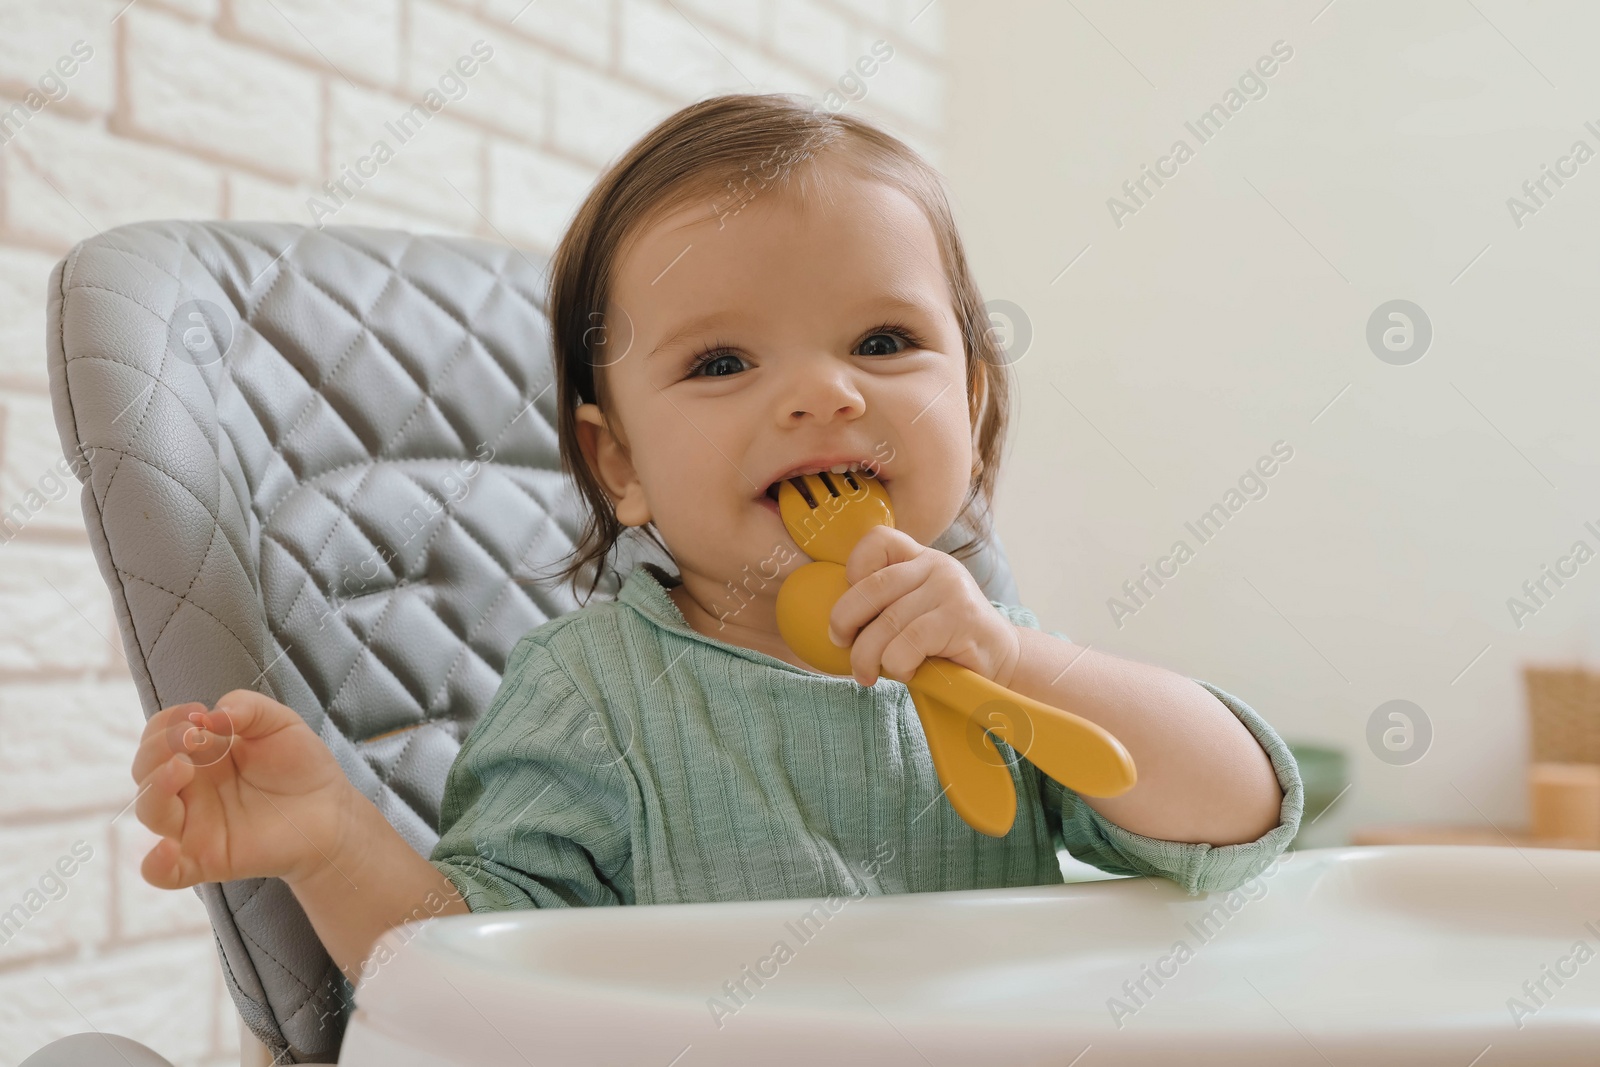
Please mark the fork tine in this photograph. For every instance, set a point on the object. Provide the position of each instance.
(814, 488)
(804, 488)
(817, 488)
(827, 526)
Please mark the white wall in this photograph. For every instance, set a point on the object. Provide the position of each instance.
(1229, 312)
(242, 109)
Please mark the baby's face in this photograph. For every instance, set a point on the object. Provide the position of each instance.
(832, 339)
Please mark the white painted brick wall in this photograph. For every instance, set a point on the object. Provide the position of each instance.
(161, 993)
(23, 274)
(38, 35)
(533, 194)
(188, 87)
(577, 28)
(36, 473)
(360, 39)
(57, 895)
(65, 178)
(594, 117)
(66, 746)
(436, 157)
(242, 109)
(55, 613)
(509, 90)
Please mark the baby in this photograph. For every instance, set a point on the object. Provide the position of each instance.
(758, 288)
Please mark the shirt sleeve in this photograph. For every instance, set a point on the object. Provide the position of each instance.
(536, 810)
(1198, 867)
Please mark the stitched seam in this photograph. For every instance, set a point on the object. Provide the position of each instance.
(215, 524)
(167, 475)
(443, 373)
(316, 389)
(159, 382)
(309, 991)
(466, 647)
(182, 597)
(366, 646)
(427, 393)
(236, 908)
(267, 532)
(366, 330)
(400, 461)
(229, 970)
(511, 584)
(139, 254)
(499, 274)
(451, 519)
(165, 351)
(133, 435)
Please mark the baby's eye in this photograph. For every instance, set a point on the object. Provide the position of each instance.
(715, 365)
(874, 342)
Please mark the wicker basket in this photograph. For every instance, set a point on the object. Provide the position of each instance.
(1563, 714)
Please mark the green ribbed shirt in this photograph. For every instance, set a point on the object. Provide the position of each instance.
(629, 759)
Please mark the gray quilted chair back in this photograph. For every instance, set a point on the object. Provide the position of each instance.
(315, 463)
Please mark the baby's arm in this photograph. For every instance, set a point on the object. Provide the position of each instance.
(368, 885)
(249, 791)
(1202, 776)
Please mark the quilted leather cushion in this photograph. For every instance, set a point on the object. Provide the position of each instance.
(321, 464)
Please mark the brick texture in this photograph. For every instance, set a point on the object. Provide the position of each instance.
(245, 109)
(357, 39)
(189, 88)
(66, 746)
(58, 887)
(37, 37)
(66, 179)
(160, 993)
(23, 274)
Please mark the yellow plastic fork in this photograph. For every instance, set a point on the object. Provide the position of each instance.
(827, 514)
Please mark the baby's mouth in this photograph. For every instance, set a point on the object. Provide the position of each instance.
(838, 472)
(844, 481)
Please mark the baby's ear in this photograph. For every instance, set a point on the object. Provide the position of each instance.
(609, 462)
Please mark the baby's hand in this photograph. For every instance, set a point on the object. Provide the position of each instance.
(243, 791)
(907, 602)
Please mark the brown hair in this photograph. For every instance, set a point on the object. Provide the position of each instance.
(726, 145)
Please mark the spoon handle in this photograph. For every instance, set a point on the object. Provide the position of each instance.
(975, 777)
(1079, 754)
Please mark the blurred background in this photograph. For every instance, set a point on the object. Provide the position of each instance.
(1300, 288)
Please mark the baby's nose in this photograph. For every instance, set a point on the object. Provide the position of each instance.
(825, 401)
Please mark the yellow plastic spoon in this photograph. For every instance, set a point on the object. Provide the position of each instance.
(827, 514)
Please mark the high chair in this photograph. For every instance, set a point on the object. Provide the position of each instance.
(315, 462)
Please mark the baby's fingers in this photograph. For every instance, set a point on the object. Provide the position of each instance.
(166, 867)
(158, 805)
(163, 734)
